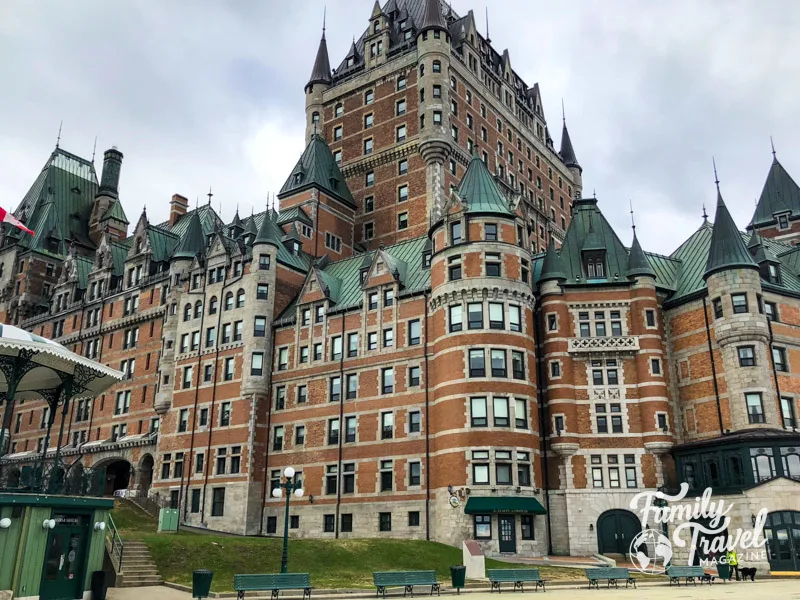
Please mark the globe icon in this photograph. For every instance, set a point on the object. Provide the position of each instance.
(651, 552)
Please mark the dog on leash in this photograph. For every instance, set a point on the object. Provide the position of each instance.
(748, 572)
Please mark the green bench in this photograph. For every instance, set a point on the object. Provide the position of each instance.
(690, 575)
(406, 580)
(611, 574)
(273, 582)
(516, 576)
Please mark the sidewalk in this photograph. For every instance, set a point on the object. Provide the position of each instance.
(775, 590)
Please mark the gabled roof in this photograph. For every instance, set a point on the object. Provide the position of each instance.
(589, 230)
(208, 218)
(116, 212)
(59, 203)
(780, 194)
(295, 213)
(162, 243)
(318, 168)
(727, 249)
(480, 192)
(119, 252)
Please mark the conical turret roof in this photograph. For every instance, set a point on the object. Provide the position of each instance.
(480, 192)
(321, 73)
(265, 234)
(193, 240)
(638, 265)
(552, 267)
(434, 19)
(567, 151)
(292, 234)
(728, 250)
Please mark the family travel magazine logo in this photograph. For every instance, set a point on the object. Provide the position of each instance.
(705, 522)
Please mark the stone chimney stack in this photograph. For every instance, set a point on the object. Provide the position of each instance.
(177, 208)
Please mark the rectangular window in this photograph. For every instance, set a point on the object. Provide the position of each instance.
(514, 318)
(526, 521)
(225, 414)
(496, 316)
(613, 477)
(747, 356)
(650, 317)
(779, 359)
(483, 527)
(260, 327)
(655, 366)
(478, 412)
(335, 389)
(328, 523)
(350, 425)
(400, 133)
(373, 301)
(455, 318)
(717, 304)
(788, 413)
(257, 364)
(555, 369)
(387, 425)
(372, 341)
(475, 315)
(318, 351)
(302, 393)
(503, 474)
(263, 262)
(283, 359)
(333, 432)
(771, 311)
(455, 233)
(520, 413)
(385, 521)
(492, 264)
(477, 362)
(277, 438)
(755, 408)
(630, 476)
(518, 364)
(336, 347)
(500, 412)
(552, 322)
(414, 473)
(414, 332)
(352, 386)
(498, 358)
(388, 338)
(347, 523)
(414, 421)
(454, 268)
(597, 477)
(299, 435)
(368, 146)
(739, 303)
(218, 502)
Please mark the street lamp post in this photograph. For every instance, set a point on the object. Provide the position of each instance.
(290, 487)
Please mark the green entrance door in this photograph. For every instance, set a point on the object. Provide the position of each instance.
(508, 533)
(65, 558)
(616, 530)
(782, 532)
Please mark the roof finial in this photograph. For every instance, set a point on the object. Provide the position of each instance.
(209, 194)
(324, 19)
(771, 143)
(58, 139)
(633, 222)
(594, 193)
(488, 39)
(94, 150)
(716, 178)
(705, 215)
(563, 113)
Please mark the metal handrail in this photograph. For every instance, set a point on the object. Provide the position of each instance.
(114, 543)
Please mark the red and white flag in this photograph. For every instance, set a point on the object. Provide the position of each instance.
(7, 217)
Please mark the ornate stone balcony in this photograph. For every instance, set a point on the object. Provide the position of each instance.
(603, 344)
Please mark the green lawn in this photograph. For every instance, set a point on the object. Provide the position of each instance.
(331, 563)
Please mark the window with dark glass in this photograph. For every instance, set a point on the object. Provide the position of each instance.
(526, 522)
(455, 233)
(739, 303)
(414, 332)
(717, 304)
(503, 474)
(518, 364)
(372, 340)
(413, 376)
(755, 408)
(498, 358)
(372, 301)
(747, 356)
(483, 527)
(477, 362)
(475, 315)
(594, 264)
(492, 264)
(333, 432)
(779, 359)
(771, 311)
(454, 268)
(335, 389)
(490, 232)
(584, 324)
(331, 479)
(552, 322)
(352, 386)
(414, 421)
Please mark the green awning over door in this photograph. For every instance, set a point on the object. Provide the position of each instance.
(504, 504)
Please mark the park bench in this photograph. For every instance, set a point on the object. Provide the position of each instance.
(690, 575)
(274, 582)
(406, 580)
(516, 576)
(611, 574)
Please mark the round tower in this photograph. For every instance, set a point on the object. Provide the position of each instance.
(740, 329)
(433, 70)
(319, 82)
(484, 408)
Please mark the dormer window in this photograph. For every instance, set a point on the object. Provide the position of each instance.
(783, 221)
(455, 233)
(350, 62)
(771, 273)
(594, 264)
(296, 248)
(426, 260)
(376, 27)
(334, 183)
(298, 177)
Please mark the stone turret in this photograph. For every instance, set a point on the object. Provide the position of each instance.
(740, 330)
(318, 83)
(433, 48)
(107, 194)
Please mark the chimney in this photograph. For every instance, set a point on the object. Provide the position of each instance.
(109, 182)
(177, 208)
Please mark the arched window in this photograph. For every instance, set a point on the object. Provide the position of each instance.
(198, 309)
(212, 305)
(240, 299)
(229, 301)
(187, 312)
(315, 117)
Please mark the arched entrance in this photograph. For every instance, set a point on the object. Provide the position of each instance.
(782, 532)
(118, 476)
(710, 546)
(615, 531)
(145, 474)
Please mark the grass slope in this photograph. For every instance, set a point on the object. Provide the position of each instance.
(331, 563)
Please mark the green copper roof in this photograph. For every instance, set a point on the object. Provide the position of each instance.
(84, 265)
(292, 234)
(552, 266)
(116, 212)
(317, 168)
(480, 192)
(193, 241)
(590, 231)
(638, 265)
(294, 213)
(59, 203)
(727, 249)
(270, 232)
(208, 218)
(780, 194)
(162, 243)
(119, 252)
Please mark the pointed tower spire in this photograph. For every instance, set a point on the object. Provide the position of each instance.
(552, 267)
(193, 241)
(321, 73)
(488, 39)
(567, 152)
(433, 19)
(638, 265)
(727, 250)
(264, 234)
(58, 139)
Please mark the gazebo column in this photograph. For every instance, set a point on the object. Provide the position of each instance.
(14, 368)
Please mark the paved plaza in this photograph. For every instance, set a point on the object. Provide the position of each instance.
(788, 589)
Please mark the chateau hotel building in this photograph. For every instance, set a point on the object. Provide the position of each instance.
(438, 330)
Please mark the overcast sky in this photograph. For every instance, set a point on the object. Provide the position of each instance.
(210, 93)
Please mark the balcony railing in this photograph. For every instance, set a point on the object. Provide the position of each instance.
(603, 344)
(52, 478)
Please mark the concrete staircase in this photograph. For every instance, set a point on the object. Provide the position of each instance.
(138, 568)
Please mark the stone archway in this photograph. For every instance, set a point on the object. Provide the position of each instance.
(616, 529)
(119, 474)
(144, 477)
